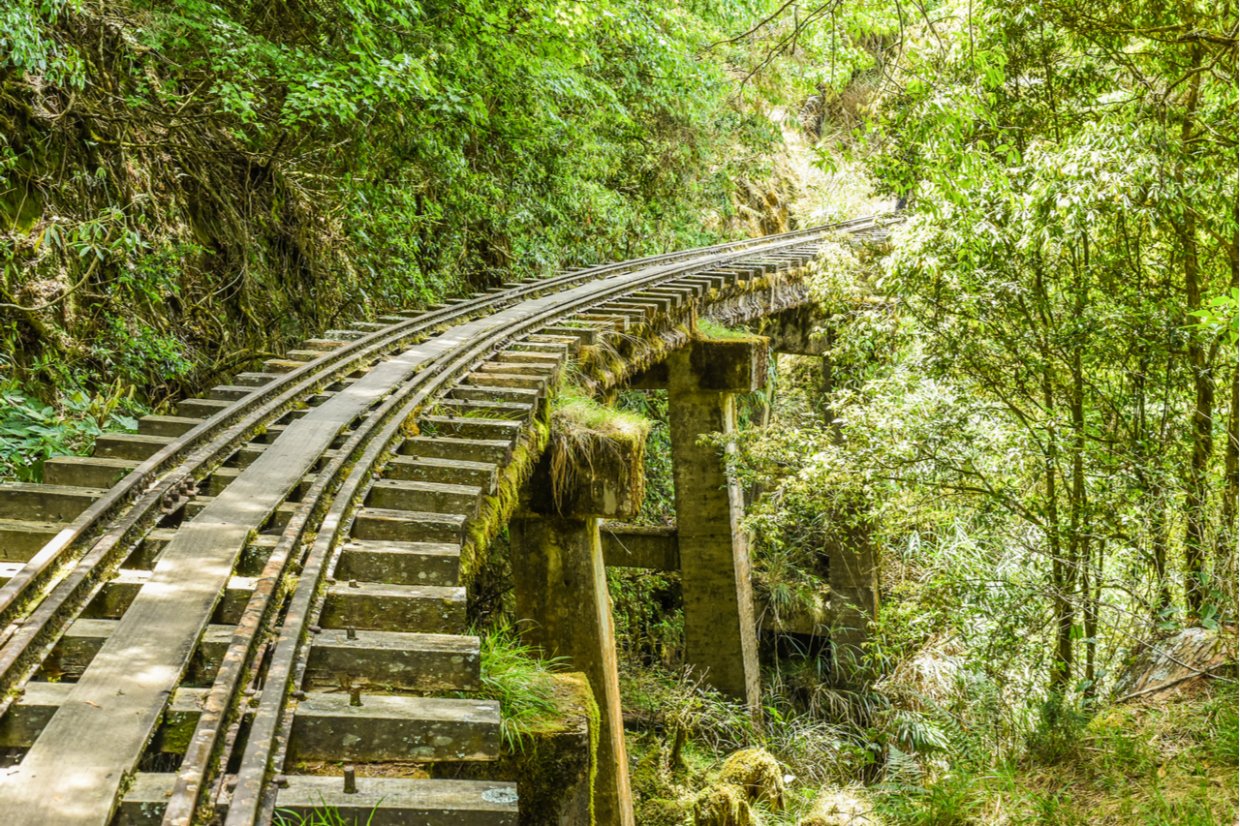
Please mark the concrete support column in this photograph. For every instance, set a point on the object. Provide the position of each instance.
(561, 589)
(720, 631)
(560, 578)
(852, 570)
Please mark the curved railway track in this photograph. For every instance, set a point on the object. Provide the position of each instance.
(265, 586)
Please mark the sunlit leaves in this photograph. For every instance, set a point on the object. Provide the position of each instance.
(28, 44)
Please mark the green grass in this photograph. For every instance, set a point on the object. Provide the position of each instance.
(710, 329)
(321, 816)
(587, 413)
(522, 683)
(1170, 763)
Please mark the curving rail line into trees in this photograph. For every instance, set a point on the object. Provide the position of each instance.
(199, 620)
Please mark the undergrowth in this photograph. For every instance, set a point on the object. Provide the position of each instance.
(187, 187)
(321, 816)
(1163, 763)
(32, 432)
(520, 681)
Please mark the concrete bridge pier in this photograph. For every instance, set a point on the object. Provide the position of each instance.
(853, 577)
(720, 630)
(560, 581)
(561, 588)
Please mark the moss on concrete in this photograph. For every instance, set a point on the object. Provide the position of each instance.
(556, 764)
(711, 330)
(496, 510)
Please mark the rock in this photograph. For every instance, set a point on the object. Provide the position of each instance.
(1181, 661)
(758, 774)
(841, 807)
(723, 805)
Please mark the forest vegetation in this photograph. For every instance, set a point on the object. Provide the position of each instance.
(1028, 403)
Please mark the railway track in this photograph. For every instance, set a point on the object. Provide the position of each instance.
(256, 605)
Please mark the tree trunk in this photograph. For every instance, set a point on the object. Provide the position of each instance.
(1225, 540)
(1077, 562)
(1158, 547)
(1061, 571)
(1091, 588)
(1202, 429)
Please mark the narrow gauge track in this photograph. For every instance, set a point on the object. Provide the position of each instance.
(119, 601)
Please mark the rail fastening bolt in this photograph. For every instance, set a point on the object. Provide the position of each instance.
(355, 695)
(350, 780)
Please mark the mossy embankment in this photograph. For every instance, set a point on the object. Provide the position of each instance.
(187, 187)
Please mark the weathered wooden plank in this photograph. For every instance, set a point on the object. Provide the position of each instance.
(495, 451)
(468, 427)
(392, 801)
(489, 379)
(82, 641)
(129, 445)
(442, 497)
(520, 367)
(409, 526)
(451, 471)
(254, 379)
(481, 392)
(201, 408)
(513, 411)
(173, 426)
(400, 563)
(118, 593)
(383, 727)
(73, 772)
(45, 503)
(86, 471)
(20, 539)
(394, 660)
(383, 607)
(229, 392)
(29, 716)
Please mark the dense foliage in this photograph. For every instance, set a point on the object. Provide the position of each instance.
(1029, 402)
(185, 183)
(1032, 402)
(1030, 408)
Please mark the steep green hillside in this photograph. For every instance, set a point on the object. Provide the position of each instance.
(185, 184)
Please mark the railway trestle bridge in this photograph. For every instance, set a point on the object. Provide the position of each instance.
(267, 591)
